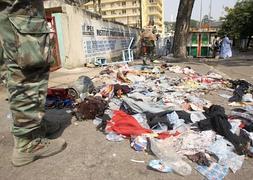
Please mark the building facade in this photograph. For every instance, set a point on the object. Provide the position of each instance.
(83, 37)
(135, 13)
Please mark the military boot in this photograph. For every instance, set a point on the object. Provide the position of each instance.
(27, 150)
(144, 61)
(50, 127)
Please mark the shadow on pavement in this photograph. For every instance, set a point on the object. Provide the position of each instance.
(60, 115)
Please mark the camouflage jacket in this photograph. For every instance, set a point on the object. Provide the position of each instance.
(22, 7)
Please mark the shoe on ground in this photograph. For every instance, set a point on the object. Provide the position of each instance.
(26, 151)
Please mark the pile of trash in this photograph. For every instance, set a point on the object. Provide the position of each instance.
(169, 117)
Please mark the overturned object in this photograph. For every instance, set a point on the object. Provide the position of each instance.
(90, 107)
(83, 85)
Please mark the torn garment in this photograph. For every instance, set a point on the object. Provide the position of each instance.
(217, 120)
(141, 106)
(165, 117)
(127, 125)
(224, 151)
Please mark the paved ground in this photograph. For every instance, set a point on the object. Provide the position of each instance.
(88, 154)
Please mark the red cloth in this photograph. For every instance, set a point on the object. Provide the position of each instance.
(57, 92)
(125, 124)
(166, 135)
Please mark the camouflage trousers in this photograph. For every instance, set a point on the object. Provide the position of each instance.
(24, 54)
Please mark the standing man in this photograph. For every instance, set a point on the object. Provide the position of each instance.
(24, 60)
(226, 51)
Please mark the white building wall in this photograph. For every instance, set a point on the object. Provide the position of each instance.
(86, 37)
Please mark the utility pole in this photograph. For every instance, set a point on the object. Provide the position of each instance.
(210, 12)
(99, 7)
(200, 16)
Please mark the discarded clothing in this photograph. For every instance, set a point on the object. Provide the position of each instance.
(121, 76)
(107, 91)
(119, 90)
(166, 118)
(56, 102)
(185, 116)
(115, 103)
(142, 120)
(237, 94)
(217, 121)
(154, 118)
(214, 171)
(224, 152)
(91, 107)
(58, 98)
(247, 97)
(240, 88)
(122, 123)
(249, 109)
(141, 97)
(127, 109)
(175, 120)
(241, 113)
(106, 71)
(200, 158)
(166, 135)
(102, 125)
(197, 116)
(242, 83)
(192, 142)
(58, 92)
(140, 106)
(178, 118)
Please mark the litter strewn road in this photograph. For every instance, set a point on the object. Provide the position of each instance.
(89, 155)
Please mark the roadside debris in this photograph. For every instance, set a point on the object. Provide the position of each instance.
(169, 117)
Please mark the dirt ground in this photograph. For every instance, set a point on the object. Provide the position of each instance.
(88, 154)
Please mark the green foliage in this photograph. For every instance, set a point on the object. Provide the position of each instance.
(239, 20)
(194, 23)
(170, 26)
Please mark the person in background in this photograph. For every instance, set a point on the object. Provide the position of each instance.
(226, 51)
(216, 47)
(148, 45)
(25, 58)
(167, 46)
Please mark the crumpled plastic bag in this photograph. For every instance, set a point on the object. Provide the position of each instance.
(170, 157)
(160, 166)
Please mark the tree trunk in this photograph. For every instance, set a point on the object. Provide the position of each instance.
(182, 28)
(94, 5)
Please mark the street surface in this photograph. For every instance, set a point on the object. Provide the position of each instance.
(89, 155)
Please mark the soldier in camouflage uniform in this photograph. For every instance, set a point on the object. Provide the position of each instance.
(24, 61)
